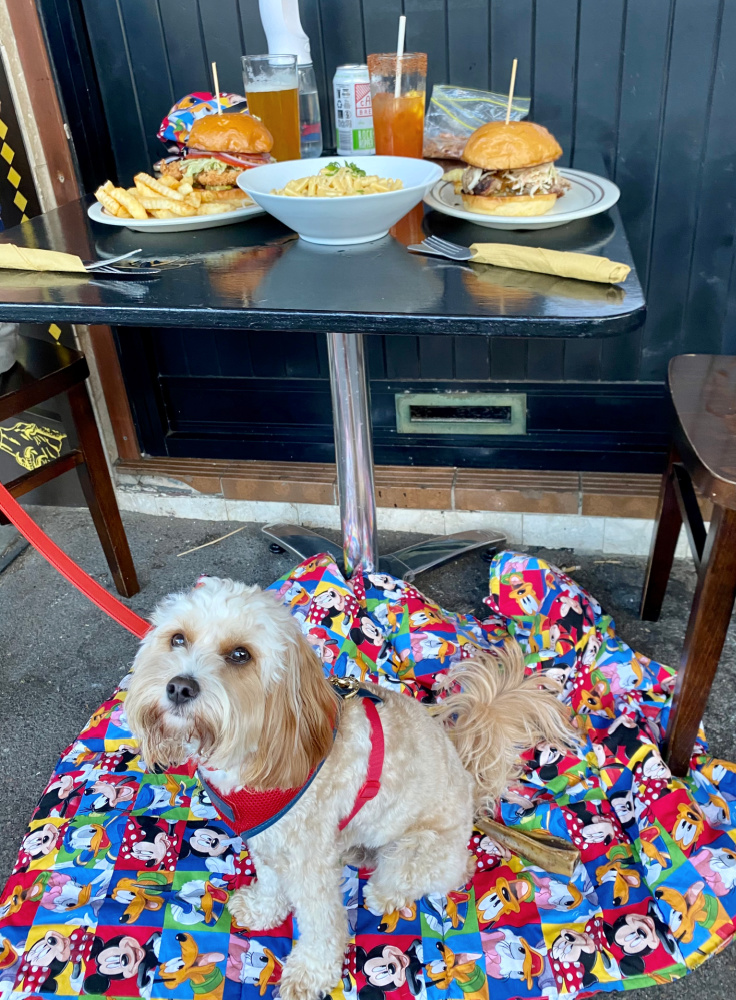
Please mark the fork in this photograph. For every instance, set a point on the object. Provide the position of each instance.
(133, 273)
(96, 265)
(442, 248)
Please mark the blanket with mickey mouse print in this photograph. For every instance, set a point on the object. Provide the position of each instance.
(122, 880)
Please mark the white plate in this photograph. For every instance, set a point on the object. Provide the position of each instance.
(184, 225)
(359, 218)
(589, 195)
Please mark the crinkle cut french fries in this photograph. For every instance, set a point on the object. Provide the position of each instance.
(163, 198)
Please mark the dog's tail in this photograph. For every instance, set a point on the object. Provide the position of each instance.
(497, 714)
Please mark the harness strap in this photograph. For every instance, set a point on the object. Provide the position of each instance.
(372, 784)
(68, 568)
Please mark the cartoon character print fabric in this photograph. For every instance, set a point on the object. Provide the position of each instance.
(123, 876)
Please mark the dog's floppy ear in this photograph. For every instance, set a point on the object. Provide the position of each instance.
(299, 719)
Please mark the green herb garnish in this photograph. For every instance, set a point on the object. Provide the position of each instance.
(355, 169)
(330, 169)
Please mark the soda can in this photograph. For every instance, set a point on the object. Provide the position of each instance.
(353, 111)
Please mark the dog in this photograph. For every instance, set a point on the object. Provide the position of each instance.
(227, 678)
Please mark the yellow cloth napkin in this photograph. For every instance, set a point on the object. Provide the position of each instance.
(29, 259)
(566, 265)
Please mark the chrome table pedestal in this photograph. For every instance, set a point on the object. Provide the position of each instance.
(351, 413)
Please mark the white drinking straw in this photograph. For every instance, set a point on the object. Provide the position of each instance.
(217, 87)
(399, 55)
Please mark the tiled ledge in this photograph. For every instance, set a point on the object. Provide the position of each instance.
(611, 515)
(411, 487)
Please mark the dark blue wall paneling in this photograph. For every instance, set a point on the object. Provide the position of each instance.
(650, 83)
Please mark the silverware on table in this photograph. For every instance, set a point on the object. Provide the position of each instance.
(95, 265)
(104, 268)
(131, 273)
(436, 247)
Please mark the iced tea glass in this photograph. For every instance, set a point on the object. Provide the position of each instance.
(398, 121)
(272, 88)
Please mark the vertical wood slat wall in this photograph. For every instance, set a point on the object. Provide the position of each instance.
(648, 82)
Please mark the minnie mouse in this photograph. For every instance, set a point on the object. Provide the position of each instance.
(330, 606)
(388, 969)
(49, 957)
(590, 827)
(42, 841)
(150, 843)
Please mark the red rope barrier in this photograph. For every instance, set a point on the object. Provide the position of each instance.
(69, 569)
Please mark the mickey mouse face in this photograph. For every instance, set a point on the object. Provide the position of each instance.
(636, 934)
(623, 806)
(42, 841)
(387, 969)
(209, 841)
(120, 958)
(371, 631)
(549, 753)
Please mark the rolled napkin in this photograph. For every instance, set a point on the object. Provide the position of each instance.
(30, 259)
(566, 265)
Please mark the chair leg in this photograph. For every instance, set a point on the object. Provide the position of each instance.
(664, 542)
(100, 495)
(706, 632)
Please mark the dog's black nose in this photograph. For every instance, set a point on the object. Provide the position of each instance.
(181, 689)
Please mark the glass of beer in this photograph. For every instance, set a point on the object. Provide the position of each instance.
(398, 119)
(272, 88)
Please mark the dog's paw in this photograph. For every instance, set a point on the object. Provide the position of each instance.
(254, 910)
(381, 900)
(239, 909)
(301, 980)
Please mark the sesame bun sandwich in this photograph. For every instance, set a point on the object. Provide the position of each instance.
(510, 170)
(219, 148)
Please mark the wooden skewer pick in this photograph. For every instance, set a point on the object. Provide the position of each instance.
(217, 88)
(511, 91)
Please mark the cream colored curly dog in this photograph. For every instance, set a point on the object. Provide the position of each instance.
(227, 677)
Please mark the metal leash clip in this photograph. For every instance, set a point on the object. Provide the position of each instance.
(347, 687)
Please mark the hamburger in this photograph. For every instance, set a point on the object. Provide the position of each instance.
(510, 170)
(218, 150)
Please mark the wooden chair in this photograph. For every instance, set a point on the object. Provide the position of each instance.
(43, 370)
(702, 458)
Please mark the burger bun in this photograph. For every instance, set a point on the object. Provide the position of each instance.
(522, 205)
(230, 133)
(502, 146)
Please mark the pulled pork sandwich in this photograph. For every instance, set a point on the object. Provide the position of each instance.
(218, 150)
(510, 170)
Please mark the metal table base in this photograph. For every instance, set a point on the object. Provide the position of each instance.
(351, 413)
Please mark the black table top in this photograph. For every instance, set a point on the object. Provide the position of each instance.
(258, 275)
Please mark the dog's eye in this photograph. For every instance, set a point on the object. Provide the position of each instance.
(239, 655)
(178, 640)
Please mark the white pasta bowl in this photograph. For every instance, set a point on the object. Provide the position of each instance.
(348, 219)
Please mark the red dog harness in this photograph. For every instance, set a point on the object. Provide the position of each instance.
(250, 811)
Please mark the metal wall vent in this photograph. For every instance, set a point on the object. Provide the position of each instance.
(461, 413)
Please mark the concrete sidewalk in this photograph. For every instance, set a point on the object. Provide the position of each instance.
(60, 657)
